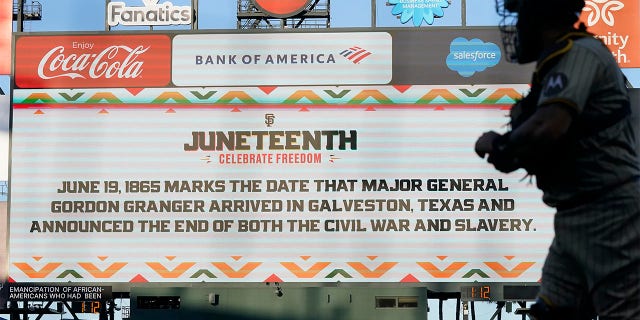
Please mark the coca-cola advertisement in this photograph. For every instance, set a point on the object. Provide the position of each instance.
(93, 61)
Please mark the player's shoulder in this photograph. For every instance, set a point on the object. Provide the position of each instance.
(590, 43)
(590, 48)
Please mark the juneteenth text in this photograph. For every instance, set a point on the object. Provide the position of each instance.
(273, 140)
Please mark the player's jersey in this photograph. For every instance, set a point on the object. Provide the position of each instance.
(601, 152)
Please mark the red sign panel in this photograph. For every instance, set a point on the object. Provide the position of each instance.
(6, 25)
(616, 23)
(93, 61)
(282, 8)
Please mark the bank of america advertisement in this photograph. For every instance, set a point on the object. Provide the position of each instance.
(282, 59)
(375, 183)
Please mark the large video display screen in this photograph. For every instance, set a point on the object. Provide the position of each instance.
(172, 158)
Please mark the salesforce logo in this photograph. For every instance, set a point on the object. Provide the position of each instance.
(470, 56)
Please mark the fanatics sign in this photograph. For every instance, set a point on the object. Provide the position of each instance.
(93, 61)
(152, 14)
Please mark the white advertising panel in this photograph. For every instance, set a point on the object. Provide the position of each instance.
(281, 59)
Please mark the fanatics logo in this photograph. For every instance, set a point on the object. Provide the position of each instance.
(151, 14)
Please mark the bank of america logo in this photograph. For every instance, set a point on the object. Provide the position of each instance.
(355, 54)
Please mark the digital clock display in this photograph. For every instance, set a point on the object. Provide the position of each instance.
(86, 306)
(475, 292)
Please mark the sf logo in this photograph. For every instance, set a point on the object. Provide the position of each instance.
(269, 119)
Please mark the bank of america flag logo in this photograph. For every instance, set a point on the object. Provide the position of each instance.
(355, 54)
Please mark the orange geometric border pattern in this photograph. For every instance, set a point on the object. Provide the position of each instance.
(434, 269)
(282, 96)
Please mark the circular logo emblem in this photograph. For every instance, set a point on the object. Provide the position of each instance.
(282, 8)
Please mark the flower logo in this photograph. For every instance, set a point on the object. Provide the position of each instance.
(418, 10)
(601, 10)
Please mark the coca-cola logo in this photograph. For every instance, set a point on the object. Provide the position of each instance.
(114, 61)
(93, 61)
